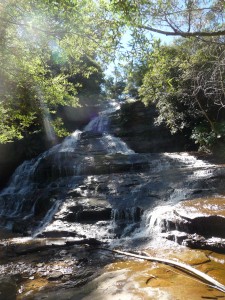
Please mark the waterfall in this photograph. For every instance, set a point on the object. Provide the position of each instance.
(70, 142)
(114, 144)
(100, 124)
(154, 221)
(48, 218)
(96, 176)
(15, 197)
(24, 193)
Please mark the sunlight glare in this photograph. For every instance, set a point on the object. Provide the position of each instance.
(48, 128)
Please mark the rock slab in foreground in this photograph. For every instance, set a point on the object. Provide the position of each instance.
(196, 223)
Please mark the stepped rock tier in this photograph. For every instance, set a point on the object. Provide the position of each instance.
(120, 182)
(93, 185)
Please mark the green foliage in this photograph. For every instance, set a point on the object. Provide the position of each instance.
(203, 136)
(59, 128)
(162, 86)
(186, 83)
(42, 47)
(49, 49)
(114, 88)
(89, 86)
(134, 77)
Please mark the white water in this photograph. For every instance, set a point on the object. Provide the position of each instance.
(202, 168)
(178, 195)
(69, 144)
(48, 218)
(152, 221)
(100, 124)
(114, 145)
(22, 182)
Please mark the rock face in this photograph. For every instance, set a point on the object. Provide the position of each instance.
(79, 217)
(47, 266)
(10, 157)
(135, 125)
(92, 194)
(197, 223)
(93, 185)
(91, 189)
(14, 153)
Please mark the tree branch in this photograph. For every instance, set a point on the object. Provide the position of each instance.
(206, 279)
(183, 34)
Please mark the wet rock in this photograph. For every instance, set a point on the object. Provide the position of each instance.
(74, 193)
(63, 252)
(59, 234)
(25, 246)
(20, 227)
(199, 223)
(136, 125)
(71, 189)
(80, 210)
(176, 236)
(200, 242)
(8, 288)
(39, 265)
(196, 241)
(64, 180)
(56, 275)
(90, 215)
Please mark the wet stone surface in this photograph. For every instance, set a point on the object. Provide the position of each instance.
(46, 265)
(92, 190)
(77, 273)
(197, 223)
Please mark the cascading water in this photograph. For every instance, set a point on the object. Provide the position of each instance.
(22, 196)
(93, 188)
(17, 197)
(93, 185)
(115, 145)
(100, 124)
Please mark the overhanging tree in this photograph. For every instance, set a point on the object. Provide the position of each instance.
(188, 18)
(186, 82)
(33, 34)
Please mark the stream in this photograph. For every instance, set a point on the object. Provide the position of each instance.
(91, 192)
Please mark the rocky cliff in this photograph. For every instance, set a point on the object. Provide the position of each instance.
(135, 124)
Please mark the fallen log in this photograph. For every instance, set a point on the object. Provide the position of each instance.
(202, 277)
